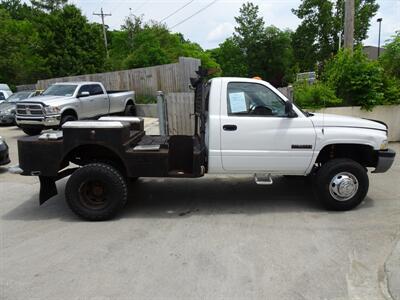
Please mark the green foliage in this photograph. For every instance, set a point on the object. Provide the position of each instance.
(36, 44)
(255, 50)
(140, 44)
(230, 58)
(49, 5)
(316, 39)
(317, 95)
(391, 89)
(19, 61)
(355, 79)
(145, 99)
(390, 58)
(71, 45)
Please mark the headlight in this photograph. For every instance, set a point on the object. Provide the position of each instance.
(384, 145)
(52, 110)
(9, 111)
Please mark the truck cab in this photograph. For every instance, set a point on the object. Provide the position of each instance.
(242, 126)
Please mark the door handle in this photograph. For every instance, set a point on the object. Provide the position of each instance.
(229, 127)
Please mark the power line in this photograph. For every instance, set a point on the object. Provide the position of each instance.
(176, 11)
(196, 13)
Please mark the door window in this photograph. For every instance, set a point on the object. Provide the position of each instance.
(2, 97)
(85, 88)
(253, 99)
(95, 89)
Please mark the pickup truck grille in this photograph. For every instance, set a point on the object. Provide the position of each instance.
(29, 109)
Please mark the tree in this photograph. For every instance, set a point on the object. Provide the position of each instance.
(153, 44)
(19, 61)
(48, 5)
(231, 58)
(276, 56)
(390, 58)
(317, 37)
(70, 43)
(248, 35)
(355, 79)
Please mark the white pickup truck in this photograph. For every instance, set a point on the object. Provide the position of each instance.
(242, 126)
(70, 101)
(5, 92)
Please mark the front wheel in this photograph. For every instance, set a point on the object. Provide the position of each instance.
(96, 192)
(66, 119)
(341, 184)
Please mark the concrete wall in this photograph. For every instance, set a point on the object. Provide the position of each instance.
(390, 114)
(147, 110)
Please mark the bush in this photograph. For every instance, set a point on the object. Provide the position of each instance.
(391, 89)
(390, 58)
(356, 79)
(315, 96)
(145, 99)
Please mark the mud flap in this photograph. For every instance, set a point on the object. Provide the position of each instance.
(48, 188)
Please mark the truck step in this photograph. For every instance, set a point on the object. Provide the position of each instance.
(263, 179)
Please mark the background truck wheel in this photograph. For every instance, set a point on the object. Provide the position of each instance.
(96, 192)
(341, 184)
(130, 110)
(32, 130)
(67, 118)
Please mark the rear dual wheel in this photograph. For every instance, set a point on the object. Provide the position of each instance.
(96, 192)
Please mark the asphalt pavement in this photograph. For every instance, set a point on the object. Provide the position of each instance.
(210, 238)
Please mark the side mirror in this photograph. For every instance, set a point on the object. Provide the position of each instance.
(289, 110)
(83, 94)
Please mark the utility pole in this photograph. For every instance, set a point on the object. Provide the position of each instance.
(379, 37)
(349, 24)
(102, 15)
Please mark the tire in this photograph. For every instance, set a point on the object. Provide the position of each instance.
(67, 118)
(341, 184)
(32, 130)
(96, 192)
(130, 110)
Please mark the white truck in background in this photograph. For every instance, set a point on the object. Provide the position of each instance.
(71, 101)
(5, 92)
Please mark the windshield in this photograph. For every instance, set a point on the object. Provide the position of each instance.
(18, 96)
(66, 90)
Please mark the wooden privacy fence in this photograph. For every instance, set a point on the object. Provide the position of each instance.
(180, 109)
(144, 81)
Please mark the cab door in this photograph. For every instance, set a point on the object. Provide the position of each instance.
(258, 136)
(95, 103)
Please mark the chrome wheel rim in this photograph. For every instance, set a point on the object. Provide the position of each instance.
(343, 186)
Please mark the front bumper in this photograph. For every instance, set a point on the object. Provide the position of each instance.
(385, 159)
(4, 158)
(46, 121)
(7, 118)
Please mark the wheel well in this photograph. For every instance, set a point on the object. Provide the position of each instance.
(363, 154)
(90, 153)
(130, 102)
(70, 112)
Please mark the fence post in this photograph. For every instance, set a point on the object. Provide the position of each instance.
(162, 113)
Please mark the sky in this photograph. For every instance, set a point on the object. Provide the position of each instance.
(215, 23)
